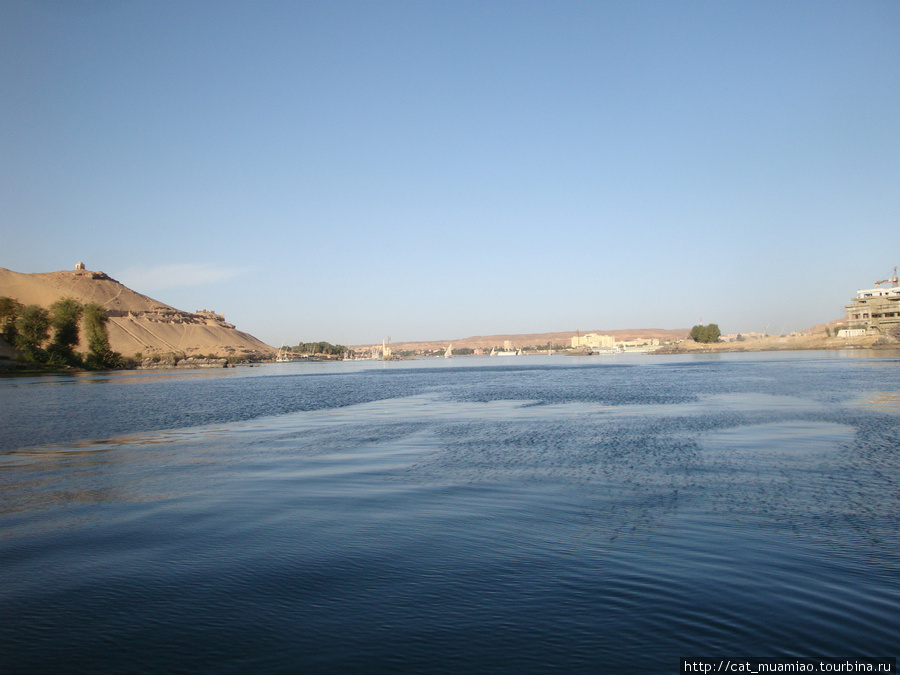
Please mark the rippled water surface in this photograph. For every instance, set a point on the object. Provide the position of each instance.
(599, 514)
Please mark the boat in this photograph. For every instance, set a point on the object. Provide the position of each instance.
(449, 353)
(506, 352)
(593, 351)
(284, 355)
(579, 351)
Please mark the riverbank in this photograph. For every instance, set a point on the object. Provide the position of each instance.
(781, 343)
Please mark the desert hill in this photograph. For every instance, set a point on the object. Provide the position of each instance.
(137, 323)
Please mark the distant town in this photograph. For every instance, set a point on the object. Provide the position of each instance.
(872, 321)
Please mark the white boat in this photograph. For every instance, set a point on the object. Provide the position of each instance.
(508, 352)
(449, 353)
(284, 355)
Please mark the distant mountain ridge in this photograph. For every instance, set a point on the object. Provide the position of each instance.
(137, 323)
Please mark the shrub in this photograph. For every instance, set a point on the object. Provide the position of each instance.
(65, 315)
(706, 334)
(32, 330)
(99, 353)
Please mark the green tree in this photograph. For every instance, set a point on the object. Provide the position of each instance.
(99, 353)
(32, 328)
(65, 316)
(320, 347)
(706, 334)
(9, 311)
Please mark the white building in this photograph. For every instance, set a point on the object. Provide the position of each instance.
(593, 341)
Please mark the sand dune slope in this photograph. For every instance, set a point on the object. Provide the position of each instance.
(137, 323)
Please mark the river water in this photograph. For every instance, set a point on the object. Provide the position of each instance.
(531, 514)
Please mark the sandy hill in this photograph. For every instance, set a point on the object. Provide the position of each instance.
(137, 323)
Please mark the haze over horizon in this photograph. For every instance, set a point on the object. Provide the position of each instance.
(349, 171)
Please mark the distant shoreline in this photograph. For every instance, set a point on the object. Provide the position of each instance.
(680, 345)
(781, 344)
(786, 343)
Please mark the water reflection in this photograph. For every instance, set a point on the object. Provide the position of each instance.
(883, 401)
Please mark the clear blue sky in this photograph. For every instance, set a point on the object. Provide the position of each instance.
(348, 171)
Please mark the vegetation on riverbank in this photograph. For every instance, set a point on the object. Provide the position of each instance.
(321, 348)
(47, 337)
(706, 334)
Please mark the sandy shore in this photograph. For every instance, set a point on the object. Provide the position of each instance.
(780, 343)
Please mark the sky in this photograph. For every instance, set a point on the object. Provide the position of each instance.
(427, 170)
